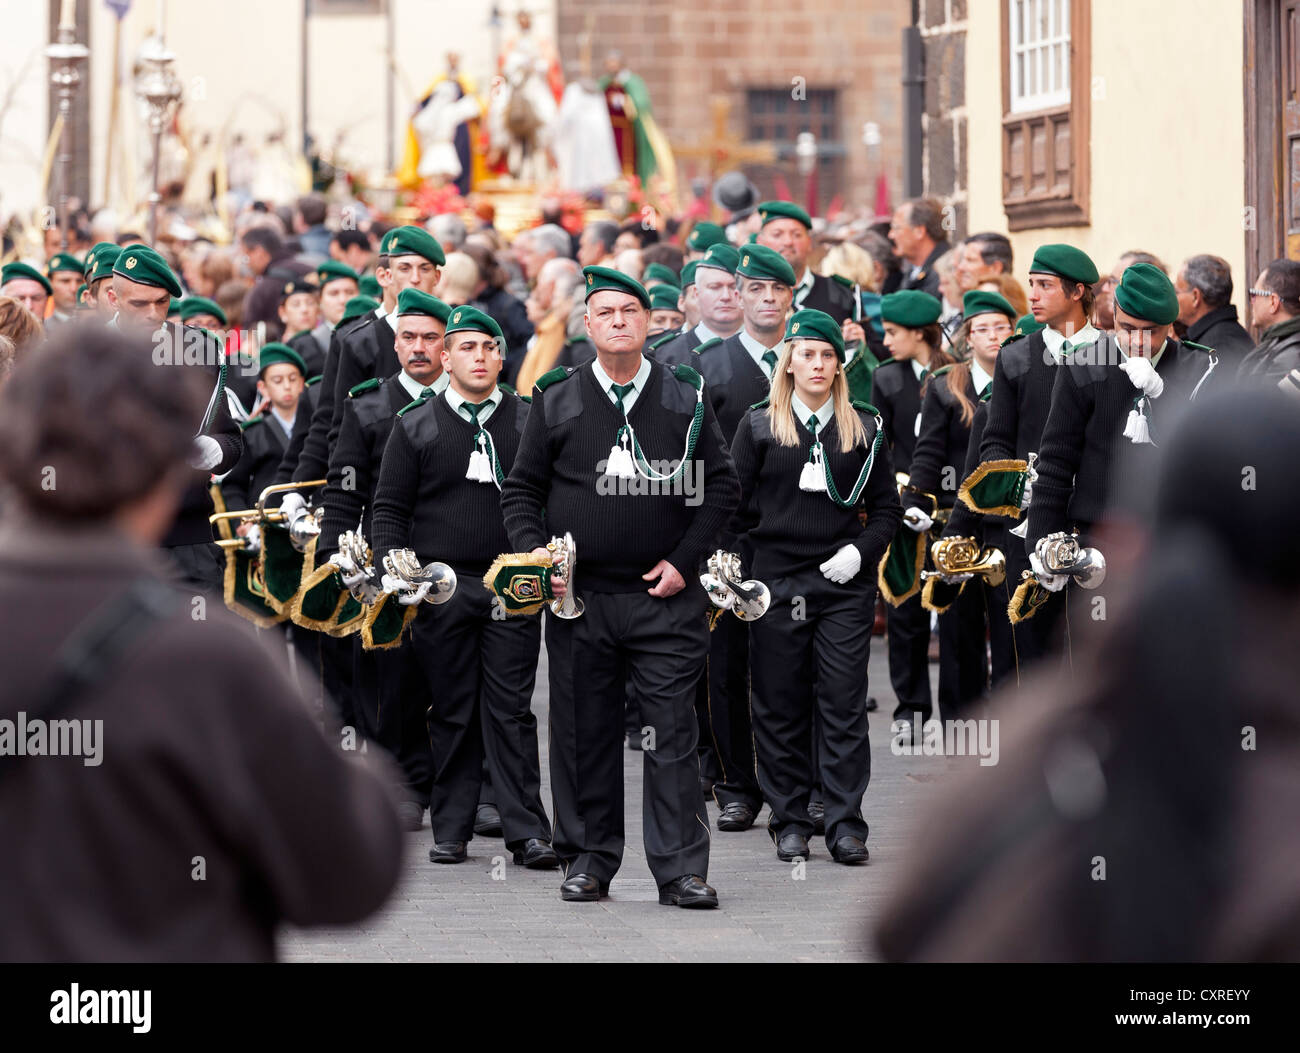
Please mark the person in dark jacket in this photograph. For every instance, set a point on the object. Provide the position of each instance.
(1275, 310)
(917, 234)
(809, 461)
(216, 809)
(508, 311)
(1205, 309)
(272, 261)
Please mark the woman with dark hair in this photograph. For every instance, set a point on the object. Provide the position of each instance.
(810, 461)
(1163, 762)
(218, 810)
(492, 298)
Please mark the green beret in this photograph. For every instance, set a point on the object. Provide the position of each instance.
(356, 307)
(64, 261)
(664, 298)
(770, 210)
(688, 273)
(657, 272)
(100, 261)
(332, 270)
(296, 286)
(173, 307)
(978, 301)
(704, 235)
(472, 320)
(758, 261)
(816, 325)
(721, 257)
(193, 306)
(369, 286)
(1145, 291)
(18, 269)
(1027, 324)
(412, 241)
(275, 354)
(911, 308)
(599, 278)
(139, 263)
(412, 301)
(1065, 261)
(82, 288)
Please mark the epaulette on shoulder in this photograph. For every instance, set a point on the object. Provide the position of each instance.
(553, 376)
(245, 424)
(943, 369)
(672, 334)
(762, 405)
(524, 398)
(413, 405)
(508, 388)
(687, 375)
(712, 342)
(363, 387)
(1199, 347)
(866, 407)
(315, 380)
(848, 283)
(1013, 338)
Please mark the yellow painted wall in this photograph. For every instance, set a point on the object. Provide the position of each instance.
(1168, 141)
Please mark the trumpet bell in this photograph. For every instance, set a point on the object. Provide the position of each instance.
(568, 606)
(752, 599)
(1090, 571)
(443, 580)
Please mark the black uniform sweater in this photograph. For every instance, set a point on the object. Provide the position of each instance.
(940, 455)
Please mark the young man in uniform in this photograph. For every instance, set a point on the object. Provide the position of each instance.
(718, 304)
(64, 272)
(788, 229)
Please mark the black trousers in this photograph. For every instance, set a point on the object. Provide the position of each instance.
(963, 657)
(479, 673)
(908, 629)
(656, 648)
(199, 566)
(337, 671)
(809, 655)
(402, 700)
(730, 726)
(1004, 656)
(365, 688)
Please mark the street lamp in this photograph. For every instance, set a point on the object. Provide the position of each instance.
(805, 155)
(66, 59)
(159, 88)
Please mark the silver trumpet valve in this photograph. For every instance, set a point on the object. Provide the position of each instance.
(747, 600)
(406, 575)
(1060, 554)
(352, 561)
(564, 551)
(303, 523)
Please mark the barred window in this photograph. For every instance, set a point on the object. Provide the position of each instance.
(1040, 54)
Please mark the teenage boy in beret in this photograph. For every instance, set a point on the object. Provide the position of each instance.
(788, 229)
(281, 380)
(299, 313)
(439, 496)
(718, 304)
(64, 271)
(638, 555)
(665, 314)
(98, 270)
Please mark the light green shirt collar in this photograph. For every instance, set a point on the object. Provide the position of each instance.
(823, 413)
(414, 388)
(488, 405)
(756, 351)
(606, 382)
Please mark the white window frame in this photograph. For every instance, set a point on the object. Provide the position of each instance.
(1049, 25)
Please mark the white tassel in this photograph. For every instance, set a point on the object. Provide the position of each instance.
(813, 478)
(1137, 429)
(474, 473)
(620, 465)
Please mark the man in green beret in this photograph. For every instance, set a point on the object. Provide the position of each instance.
(204, 313)
(658, 274)
(299, 315)
(338, 284)
(717, 301)
(98, 271)
(703, 236)
(665, 310)
(281, 380)
(438, 498)
(593, 437)
(788, 229)
(738, 373)
(1111, 405)
(27, 285)
(64, 271)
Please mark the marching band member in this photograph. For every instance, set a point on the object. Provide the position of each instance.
(716, 301)
(651, 636)
(912, 335)
(738, 373)
(480, 667)
(808, 461)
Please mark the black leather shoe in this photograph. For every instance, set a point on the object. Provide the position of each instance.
(736, 816)
(872, 704)
(536, 854)
(582, 888)
(849, 850)
(688, 891)
(412, 815)
(792, 846)
(634, 740)
(487, 821)
(448, 852)
(817, 813)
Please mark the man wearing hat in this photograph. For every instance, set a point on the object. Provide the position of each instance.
(595, 438)
(140, 293)
(409, 258)
(368, 412)
(27, 285)
(658, 274)
(718, 304)
(1061, 278)
(1112, 405)
(336, 284)
(736, 195)
(281, 380)
(299, 313)
(703, 236)
(665, 312)
(439, 496)
(738, 373)
(98, 270)
(64, 271)
(788, 229)
(205, 313)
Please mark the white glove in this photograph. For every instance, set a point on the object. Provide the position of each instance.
(354, 579)
(842, 566)
(205, 453)
(410, 599)
(955, 579)
(1027, 494)
(253, 538)
(1051, 582)
(1143, 376)
(915, 519)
